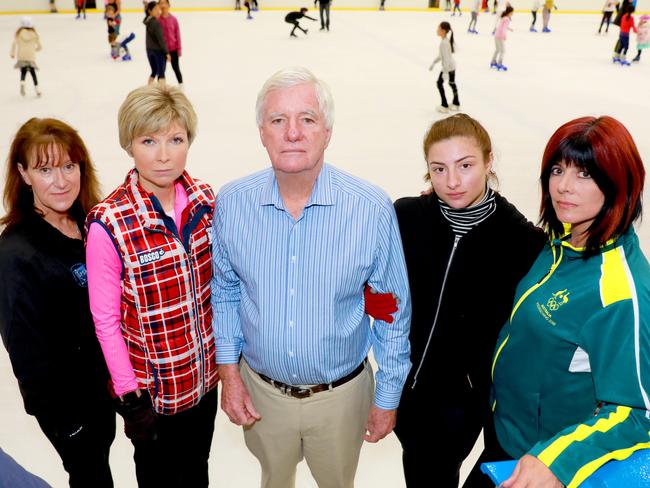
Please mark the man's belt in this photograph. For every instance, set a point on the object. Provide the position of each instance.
(307, 391)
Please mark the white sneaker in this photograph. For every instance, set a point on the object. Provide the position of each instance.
(454, 108)
(443, 110)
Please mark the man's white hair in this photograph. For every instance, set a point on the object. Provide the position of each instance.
(288, 77)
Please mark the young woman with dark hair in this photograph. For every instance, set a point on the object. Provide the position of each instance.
(45, 319)
(571, 365)
(466, 248)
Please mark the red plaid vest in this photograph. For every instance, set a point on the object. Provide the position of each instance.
(166, 316)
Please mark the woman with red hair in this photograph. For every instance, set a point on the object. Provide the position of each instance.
(571, 365)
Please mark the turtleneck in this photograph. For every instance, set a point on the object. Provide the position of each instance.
(462, 220)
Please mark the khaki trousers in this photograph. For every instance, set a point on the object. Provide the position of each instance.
(325, 429)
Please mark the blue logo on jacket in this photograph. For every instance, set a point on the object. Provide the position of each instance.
(80, 276)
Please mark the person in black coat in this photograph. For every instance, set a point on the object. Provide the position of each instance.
(294, 17)
(157, 52)
(466, 248)
(45, 319)
(324, 13)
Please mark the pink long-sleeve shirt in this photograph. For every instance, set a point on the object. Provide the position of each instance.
(104, 267)
(171, 33)
(502, 29)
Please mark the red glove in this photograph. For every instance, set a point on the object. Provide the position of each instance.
(380, 306)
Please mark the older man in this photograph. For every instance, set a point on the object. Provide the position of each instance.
(293, 247)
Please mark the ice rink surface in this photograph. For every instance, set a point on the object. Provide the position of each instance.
(376, 64)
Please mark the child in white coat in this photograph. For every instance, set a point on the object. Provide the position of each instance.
(26, 44)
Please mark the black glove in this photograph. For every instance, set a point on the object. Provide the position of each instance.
(139, 416)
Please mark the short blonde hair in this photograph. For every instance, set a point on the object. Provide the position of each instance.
(297, 75)
(150, 109)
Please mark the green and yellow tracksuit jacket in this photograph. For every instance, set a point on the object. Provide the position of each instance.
(571, 370)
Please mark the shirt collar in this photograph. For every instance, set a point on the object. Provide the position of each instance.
(321, 193)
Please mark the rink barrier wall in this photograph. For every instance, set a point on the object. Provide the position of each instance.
(66, 6)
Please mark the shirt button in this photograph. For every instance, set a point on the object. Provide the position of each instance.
(291, 323)
(290, 354)
(292, 291)
(295, 375)
(293, 259)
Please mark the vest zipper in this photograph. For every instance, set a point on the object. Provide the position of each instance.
(435, 318)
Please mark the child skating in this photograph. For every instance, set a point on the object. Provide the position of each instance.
(533, 10)
(446, 57)
(293, 18)
(500, 39)
(119, 47)
(608, 10)
(81, 8)
(642, 36)
(476, 7)
(456, 8)
(26, 44)
(549, 5)
(172, 35)
(623, 44)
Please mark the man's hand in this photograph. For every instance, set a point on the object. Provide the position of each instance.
(380, 423)
(235, 400)
(530, 472)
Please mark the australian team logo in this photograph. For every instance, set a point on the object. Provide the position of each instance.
(553, 304)
(557, 299)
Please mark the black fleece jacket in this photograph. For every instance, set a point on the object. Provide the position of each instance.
(46, 324)
(487, 265)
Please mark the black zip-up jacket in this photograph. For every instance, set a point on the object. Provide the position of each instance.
(155, 40)
(46, 324)
(486, 267)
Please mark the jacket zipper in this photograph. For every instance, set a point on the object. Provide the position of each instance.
(435, 318)
(523, 297)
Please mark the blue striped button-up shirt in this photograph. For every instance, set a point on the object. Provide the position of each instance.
(288, 294)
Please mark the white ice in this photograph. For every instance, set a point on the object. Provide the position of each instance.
(376, 64)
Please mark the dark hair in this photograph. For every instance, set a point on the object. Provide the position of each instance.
(507, 11)
(459, 125)
(629, 10)
(605, 149)
(32, 141)
(151, 6)
(445, 26)
(304, 9)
